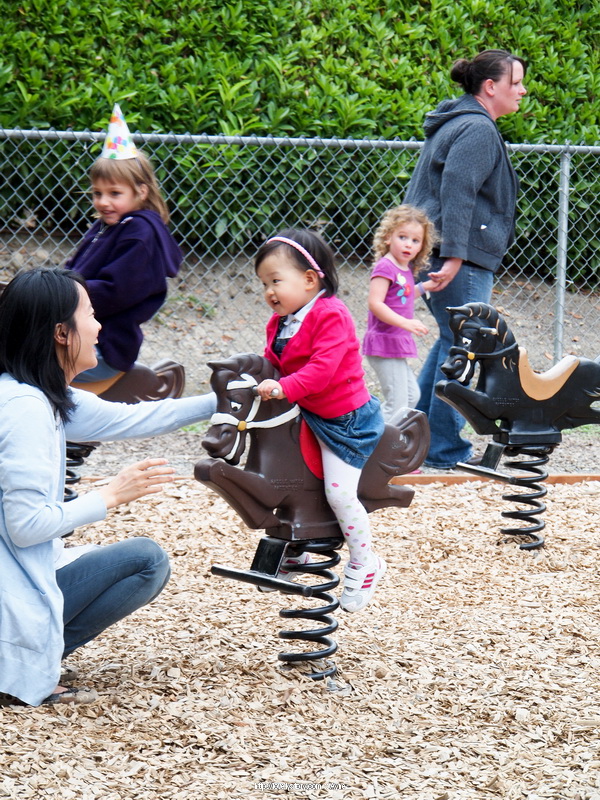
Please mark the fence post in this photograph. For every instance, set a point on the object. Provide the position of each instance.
(561, 253)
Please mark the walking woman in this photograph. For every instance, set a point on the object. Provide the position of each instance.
(465, 183)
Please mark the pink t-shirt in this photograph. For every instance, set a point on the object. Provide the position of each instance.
(388, 341)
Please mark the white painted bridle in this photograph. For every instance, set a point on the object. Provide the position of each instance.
(247, 381)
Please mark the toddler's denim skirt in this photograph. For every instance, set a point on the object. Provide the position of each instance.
(353, 436)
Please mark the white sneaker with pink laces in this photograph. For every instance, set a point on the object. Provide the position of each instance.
(285, 574)
(360, 584)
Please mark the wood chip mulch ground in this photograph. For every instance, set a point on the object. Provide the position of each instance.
(473, 673)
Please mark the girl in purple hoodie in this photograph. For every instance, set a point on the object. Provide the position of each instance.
(125, 258)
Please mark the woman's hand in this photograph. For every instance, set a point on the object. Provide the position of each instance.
(269, 390)
(446, 274)
(137, 480)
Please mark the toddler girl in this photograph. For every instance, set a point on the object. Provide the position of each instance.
(311, 340)
(401, 247)
(128, 254)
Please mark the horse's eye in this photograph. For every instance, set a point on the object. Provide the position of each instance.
(466, 341)
(235, 406)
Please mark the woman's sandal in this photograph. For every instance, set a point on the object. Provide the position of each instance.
(72, 695)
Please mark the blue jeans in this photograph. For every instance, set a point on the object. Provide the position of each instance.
(105, 585)
(472, 284)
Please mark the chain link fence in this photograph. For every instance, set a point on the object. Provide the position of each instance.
(227, 194)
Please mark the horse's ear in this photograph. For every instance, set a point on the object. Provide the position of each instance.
(216, 365)
(454, 312)
(262, 367)
(464, 311)
(233, 363)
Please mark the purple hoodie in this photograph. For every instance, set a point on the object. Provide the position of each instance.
(126, 266)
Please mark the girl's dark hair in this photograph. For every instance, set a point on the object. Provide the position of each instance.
(490, 64)
(314, 245)
(31, 307)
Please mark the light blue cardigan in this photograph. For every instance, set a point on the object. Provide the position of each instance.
(33, 515)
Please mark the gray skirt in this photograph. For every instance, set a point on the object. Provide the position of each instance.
(353, 436)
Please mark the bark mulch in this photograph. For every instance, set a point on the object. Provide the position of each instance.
(473, 673)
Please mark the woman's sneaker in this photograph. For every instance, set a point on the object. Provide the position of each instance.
(284, 573)
(360, 584)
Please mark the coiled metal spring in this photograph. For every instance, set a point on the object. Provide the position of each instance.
(535, 464)
(77, 452)
(321, 635)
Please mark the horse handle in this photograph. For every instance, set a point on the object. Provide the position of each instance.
(274, 393)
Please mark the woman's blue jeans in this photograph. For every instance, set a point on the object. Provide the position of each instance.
(101, 372)
(107, 584)
(472, 284)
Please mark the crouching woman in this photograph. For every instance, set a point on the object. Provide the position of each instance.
(54, 599)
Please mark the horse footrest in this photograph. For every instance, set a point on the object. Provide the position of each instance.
(488, 468)
(485, 472)
(262, 579)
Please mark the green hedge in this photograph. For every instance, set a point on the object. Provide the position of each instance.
(360, 69)
(349, 68)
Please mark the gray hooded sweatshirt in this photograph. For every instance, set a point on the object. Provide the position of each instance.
(465, 182)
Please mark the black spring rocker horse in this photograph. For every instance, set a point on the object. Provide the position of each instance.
(524, 411)
(276, 490)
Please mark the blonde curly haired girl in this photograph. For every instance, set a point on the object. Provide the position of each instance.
(401, 247)
(392, 220)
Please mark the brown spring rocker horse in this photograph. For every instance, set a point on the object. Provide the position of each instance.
(164, 379)
(280, 488)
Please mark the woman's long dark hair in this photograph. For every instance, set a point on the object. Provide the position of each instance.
(31, 307)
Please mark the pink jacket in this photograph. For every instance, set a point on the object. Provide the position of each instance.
(321, 365)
